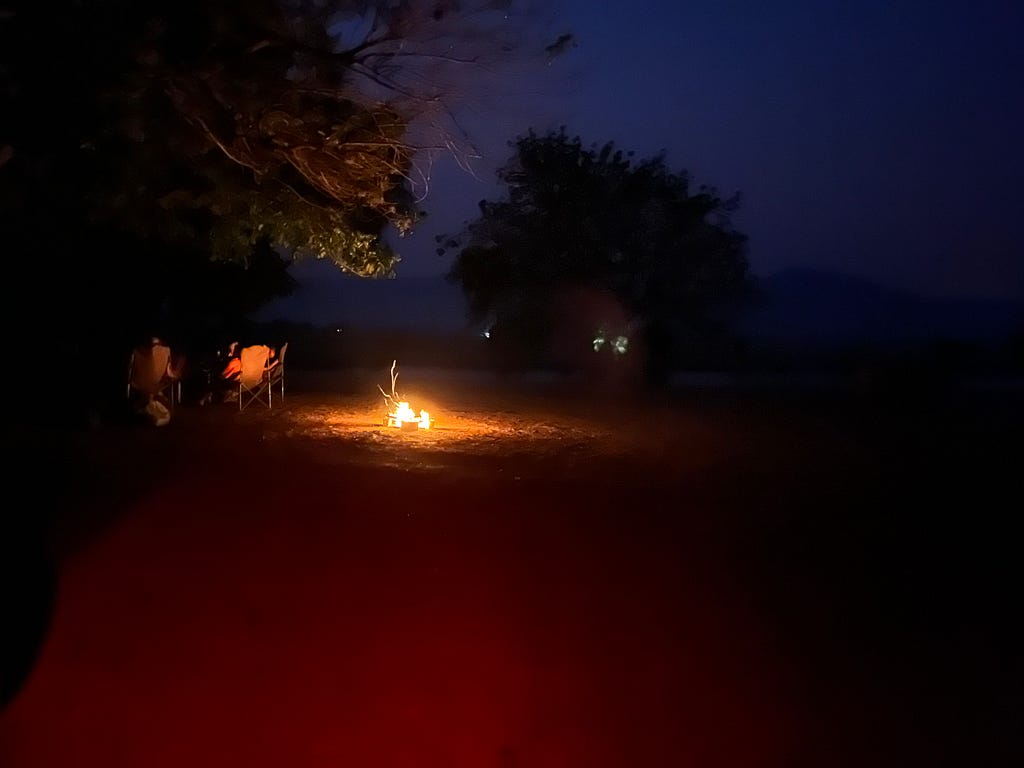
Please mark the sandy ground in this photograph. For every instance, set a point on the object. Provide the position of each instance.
(546, 578)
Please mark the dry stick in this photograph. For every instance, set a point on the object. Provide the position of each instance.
(391, 400)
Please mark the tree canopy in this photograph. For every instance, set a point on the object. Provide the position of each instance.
(236, 121)
(142, 140)
(588, 241)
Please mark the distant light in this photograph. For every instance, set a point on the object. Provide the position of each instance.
(620, 345)
(337, 330)
(598, 342)
(486, 334)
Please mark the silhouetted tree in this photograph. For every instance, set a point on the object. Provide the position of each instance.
(234, 121)
(590, 247)
(159, 133)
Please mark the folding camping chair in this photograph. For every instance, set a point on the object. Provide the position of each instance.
(277, 371)
(150, 372)
(254, 380)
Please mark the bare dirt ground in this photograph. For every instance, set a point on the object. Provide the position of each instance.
(548, 577)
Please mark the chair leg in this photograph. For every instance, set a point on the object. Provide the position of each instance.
(247, 396)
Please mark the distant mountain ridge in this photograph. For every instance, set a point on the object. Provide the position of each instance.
(806, 306)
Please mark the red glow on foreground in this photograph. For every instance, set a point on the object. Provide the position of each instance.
(465, 631)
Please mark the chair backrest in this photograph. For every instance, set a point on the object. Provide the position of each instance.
(277, 371)
(254, 365)
(149, 366)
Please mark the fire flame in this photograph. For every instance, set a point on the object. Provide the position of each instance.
(399, 412)
(403, 414)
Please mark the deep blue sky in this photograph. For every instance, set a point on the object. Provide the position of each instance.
(881, 139)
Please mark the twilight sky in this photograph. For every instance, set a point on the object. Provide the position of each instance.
(878, 138)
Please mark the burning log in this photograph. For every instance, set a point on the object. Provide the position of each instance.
(399, 414)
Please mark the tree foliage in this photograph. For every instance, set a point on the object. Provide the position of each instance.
(159, 134)
(239, 120)
(664, 254)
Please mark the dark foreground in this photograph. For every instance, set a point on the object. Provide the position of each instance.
(546, 580)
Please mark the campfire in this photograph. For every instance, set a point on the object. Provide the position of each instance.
(399, 414)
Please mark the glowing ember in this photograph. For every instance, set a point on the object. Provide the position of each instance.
(400, 415)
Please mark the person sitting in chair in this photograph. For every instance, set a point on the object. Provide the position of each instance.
(221, 371)
(230, 372)
(272, 359)
(233, 368)
(152, 380)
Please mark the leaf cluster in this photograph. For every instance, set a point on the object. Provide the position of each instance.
(235, 121)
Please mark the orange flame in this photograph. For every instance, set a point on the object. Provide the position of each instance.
(403, 414)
